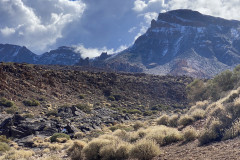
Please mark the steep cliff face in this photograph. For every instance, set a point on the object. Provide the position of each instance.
(185, 42)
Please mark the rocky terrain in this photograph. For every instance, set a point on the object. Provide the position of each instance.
(48, 98)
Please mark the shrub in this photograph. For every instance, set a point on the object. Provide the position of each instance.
(149, 113)
(196, 90)
(171, 138)
(111, 98)
(122, 134)
(233, 131)
(160, 107)
(224, 80)
(173, 120)
(211, 134)
(4, 147)
(185, 120)
(134, 111)
(3, 138)
(207, 136)
(32, 102)
(55, 136)
(198, 114)
(145, 150)
(189, 134)
(163, 120)
(18, 154)
(75, 151)
(119, 126)
(108, 152)
(84, 107)
(92, 149)
(123, 151)
(11, 110)
(163, 135)
(55, 147)
(79, 135)
(137, 125)
(6, 103)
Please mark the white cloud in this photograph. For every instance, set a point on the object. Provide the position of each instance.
(29, 23)
(139, 5)
(221, 8)
(132, 29)
(94, 52)
(149, 16)
(7, 31)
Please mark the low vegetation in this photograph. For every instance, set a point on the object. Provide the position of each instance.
(56, 136)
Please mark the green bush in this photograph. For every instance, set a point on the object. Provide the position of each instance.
(111, 98)
(32, 102)
(134, 111)
(55, 136)
(160, 107)
(149, 113)
(4, 147)
(6, 103)
(11, 110)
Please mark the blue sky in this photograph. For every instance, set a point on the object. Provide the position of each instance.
(93, 26)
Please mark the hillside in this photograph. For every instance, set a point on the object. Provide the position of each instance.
(110, 115)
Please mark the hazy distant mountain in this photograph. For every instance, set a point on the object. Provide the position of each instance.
(185, 42)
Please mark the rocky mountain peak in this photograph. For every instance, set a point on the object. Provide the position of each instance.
(206, 44)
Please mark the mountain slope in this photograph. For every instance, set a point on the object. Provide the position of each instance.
(185, 42)
(63, 56)
(14, 53)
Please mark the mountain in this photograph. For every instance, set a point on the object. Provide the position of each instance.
(185, 42)
(14, 53)
(179, 42)
(63, 56)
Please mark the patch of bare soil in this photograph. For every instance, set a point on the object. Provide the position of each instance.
(224, 150)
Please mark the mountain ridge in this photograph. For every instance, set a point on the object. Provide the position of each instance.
(179, 42)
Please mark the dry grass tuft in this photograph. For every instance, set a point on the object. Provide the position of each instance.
(75, 151)
(163, 120)
(145, 150)
(189, 134)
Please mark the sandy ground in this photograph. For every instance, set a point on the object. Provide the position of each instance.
(225, 150)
